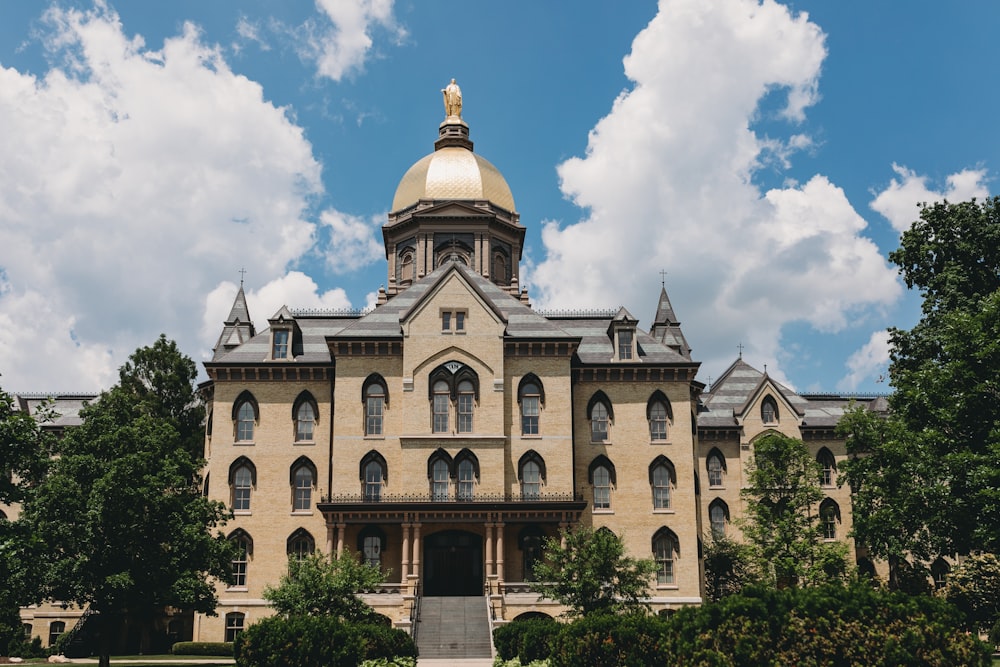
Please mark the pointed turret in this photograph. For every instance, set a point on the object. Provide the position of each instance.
(666, 328)
(238, 327)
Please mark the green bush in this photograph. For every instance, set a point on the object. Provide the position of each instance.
(300, 641)
(828, 625)
(527, 640)
(203, 648)
(398, 661)
(379, 641)
(630, 640)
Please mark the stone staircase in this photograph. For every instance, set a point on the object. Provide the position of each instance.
(453, 627)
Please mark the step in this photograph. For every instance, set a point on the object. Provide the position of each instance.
(453, 627)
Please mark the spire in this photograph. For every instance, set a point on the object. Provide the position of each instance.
(238, 327)
(664, 311)
(666, 329)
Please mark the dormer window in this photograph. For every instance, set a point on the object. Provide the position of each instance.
(625, 338)
(279, 344)
(621, 331)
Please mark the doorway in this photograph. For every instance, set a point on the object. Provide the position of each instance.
(453, 564)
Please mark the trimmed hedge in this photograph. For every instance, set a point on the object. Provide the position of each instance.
(527, 640)
(379, 641)
(631, 640)
(203, 648)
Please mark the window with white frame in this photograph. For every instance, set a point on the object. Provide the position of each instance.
(279, 343)
(716, 467)
(374, 408)
(441, 406)
(529, 396)
(300, 545)
(303, 480)
(466, 401)
(599, 422)
(305, 422)
(665, 551)
(245, 418)
(373, 475)
(234, 625)
(718, 516)
(661, 477)
(531, 473)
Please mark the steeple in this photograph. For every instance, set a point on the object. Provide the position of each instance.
(666, 329)
(238, 327)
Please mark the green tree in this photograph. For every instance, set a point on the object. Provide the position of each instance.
(592, 574)
(782, 518)
(974, 587)
(943, 438)
(320, 585)
(124, 524)
(729, 567)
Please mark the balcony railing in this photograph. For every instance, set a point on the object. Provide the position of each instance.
(479, 498)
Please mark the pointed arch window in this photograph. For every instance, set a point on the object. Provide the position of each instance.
(374, 474)
(467, 473)
(662, 478)
(304, 412)
(440, 406)
(939, 572)
(375, 396)
(529, 397)
(466, 401)
(245, 416)
(666, 549)
(242, 479)
(439, 468)
(600, 415)
(829, 517)
(531, 540)
(769, 411)
(827, 467)
(531, 472)
(371, 545)
(601, 475)
(406, 267)
(718, 517)
(241, 559)
(716, 465)
(303, 479)
(300, 545)
(659, 414)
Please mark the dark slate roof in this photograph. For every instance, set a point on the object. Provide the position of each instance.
(66, 406)
(238, 327)
(666, 328)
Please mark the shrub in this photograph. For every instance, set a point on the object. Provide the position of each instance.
(527, 640)
(299, 641)
(203, 648)
(379, 641)
(398, 661)
(630, 640)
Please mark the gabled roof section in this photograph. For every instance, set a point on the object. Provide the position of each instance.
(237, 329)
(666, 328)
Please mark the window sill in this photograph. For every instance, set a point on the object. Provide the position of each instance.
(716, 487)
(600, 442)
(661, 442)
(667, 587)
(603, 510)
(302, 512)
(242, 513)
(243, 443)
(237, 589)
(304, 442)
(663, 510)
(531, 436)
(374, 436)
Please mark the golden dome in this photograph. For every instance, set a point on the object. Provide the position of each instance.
(453, 172)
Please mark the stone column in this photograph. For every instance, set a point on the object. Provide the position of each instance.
(416, 552)
(404, 568)
(562, 533)
(489, 549)
(500, 575)
(341, 531)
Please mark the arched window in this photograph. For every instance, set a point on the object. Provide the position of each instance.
(375, 398)
(439, 472)
(529, 396)
(242, 479)
(828, 467)
(467, 471)
(245, 415)
(661, 478)
(374, 473)
(500, 268)
(939, 572)
(601, 476)
(599, 413)
(531, 472)
(769, 411)
(56, 628)
(371, 544)
(466, 400)
(829, 517)
(531, 540)
(304, 412)
(716, 465)
(241, 559)
(666, 549)
(300, 544)
(718, 517)
(406, 267)
(440, 407)
(303, 478)
(234, 625)
(658, 413)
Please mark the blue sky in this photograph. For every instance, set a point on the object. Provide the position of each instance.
(765, 155)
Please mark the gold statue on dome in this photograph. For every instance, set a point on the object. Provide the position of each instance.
(452, 100)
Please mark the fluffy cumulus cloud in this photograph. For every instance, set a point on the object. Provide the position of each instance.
(340, 43)
(134, 180)
(667, 180)
(898, 202)
(353, 241)
(871, 362)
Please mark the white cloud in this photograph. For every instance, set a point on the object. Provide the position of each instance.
(249, 32)
(342, 46)
(900, 201)
(353, 243)
(667, 182)
(130, 179)
(871, 362)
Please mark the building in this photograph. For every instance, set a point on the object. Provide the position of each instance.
(446, 432)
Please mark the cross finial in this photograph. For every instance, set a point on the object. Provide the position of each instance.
(663, 278)
(740, 347)
(243, 272)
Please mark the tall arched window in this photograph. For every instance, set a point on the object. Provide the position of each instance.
(666, 549)
(939, 572)
(661, 478)
(466, 400)
(829, 516)
(658, 421)
(602, 479)
(303, 478)
(374, 409)
(467, 470)
(406, 267)
(300, 544)
(531, 469)
(828, 467)
(500, 269)
(529, 396)
(245, 418)
(599, 413)
(716, 465)
(242, 479)
(305, 422)
(769, 411)
(439, 480)
(718, 517)
(440, 406)
(241, 559)
(374, 473)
